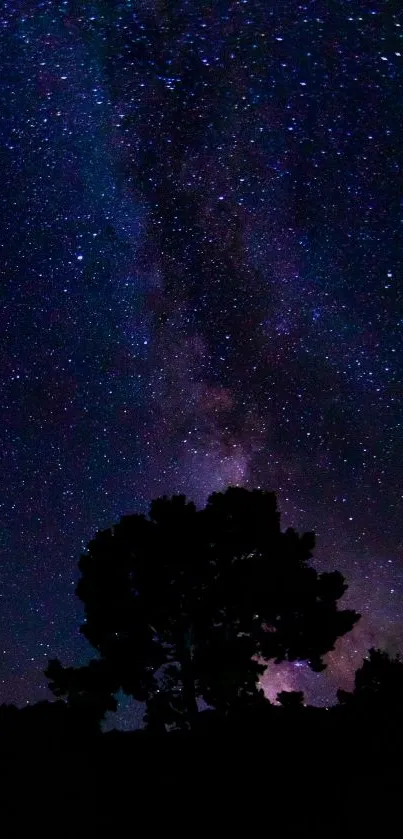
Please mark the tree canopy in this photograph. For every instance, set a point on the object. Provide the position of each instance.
(187, 604)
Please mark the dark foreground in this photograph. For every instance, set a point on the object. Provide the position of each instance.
(312, 773)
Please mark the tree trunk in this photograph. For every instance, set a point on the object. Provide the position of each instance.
(189, 688)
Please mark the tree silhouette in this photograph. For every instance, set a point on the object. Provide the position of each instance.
(186, 604)
(378, 684)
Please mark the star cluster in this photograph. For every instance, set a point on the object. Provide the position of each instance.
(201, 227)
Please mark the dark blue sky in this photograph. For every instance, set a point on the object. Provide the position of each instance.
(201, 260)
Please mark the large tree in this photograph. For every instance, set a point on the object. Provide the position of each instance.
(185, 604)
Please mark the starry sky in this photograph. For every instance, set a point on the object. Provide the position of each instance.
(201, 256)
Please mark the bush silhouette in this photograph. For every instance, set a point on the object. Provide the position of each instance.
(291, 700)
(378, 685)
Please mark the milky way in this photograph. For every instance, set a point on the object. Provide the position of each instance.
(201, 259)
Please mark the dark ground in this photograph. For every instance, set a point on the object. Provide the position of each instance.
(306, 774)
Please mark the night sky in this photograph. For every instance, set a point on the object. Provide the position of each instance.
(201, 225)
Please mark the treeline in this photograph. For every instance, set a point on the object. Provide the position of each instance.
(186, 607)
